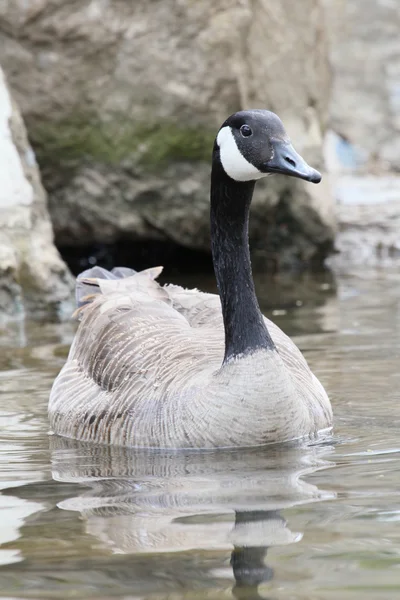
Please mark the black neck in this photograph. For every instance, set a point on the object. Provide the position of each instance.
(245, 329)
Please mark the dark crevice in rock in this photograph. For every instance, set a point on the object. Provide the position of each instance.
(283, 247)
(138, 255)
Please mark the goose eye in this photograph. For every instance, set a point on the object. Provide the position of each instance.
(246, 131)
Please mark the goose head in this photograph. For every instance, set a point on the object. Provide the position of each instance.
(252, 144)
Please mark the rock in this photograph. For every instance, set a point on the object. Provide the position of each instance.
(362, 147)
(33, 278)
(122, 101)
(365, 103)
(369, 220)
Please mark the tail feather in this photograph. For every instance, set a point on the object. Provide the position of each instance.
(88, 283)
(121, 272)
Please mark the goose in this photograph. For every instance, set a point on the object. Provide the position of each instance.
(156, 366)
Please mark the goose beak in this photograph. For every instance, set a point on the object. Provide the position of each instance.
(287, 162)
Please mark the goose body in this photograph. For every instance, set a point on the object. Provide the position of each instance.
(162, 366)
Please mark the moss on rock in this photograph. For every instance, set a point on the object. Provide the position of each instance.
(78, 138)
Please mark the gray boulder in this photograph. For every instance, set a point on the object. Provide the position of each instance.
(122, 101)
(363, 145)
(365, 59)
(33, 278)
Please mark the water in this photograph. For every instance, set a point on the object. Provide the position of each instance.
(316, 523)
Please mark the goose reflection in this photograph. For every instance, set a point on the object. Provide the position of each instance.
(141, 501)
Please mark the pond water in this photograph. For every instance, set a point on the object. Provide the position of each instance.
(309, 523)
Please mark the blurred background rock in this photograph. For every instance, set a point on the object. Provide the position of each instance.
(362, 145)
(33, 277)
(122, 101)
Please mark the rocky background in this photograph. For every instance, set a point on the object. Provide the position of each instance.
(122, 101)
(362, 145)
(33, 278)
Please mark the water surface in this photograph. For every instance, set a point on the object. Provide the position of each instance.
(309, 523)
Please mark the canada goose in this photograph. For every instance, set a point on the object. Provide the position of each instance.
(162, 366)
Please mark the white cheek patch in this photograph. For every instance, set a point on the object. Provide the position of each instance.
(233, 162)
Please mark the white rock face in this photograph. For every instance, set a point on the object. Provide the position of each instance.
(33, 279)
(15, 189)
